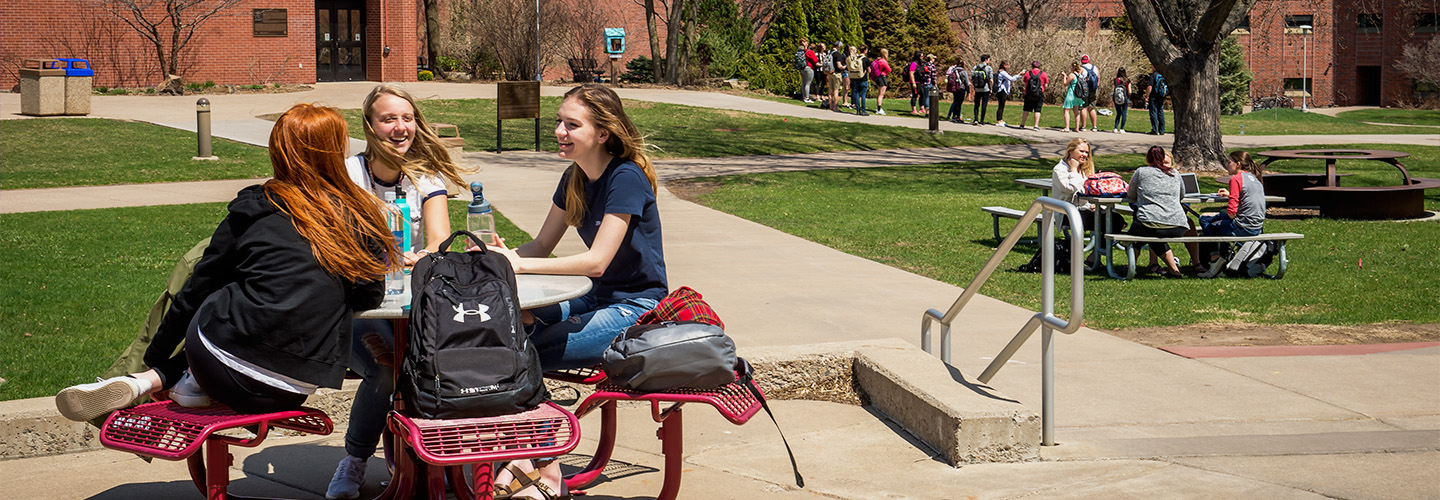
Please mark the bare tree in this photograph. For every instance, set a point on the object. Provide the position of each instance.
(94, 38)
(506, 28)
(1182, 39)
(1421, 62)
(167, 25)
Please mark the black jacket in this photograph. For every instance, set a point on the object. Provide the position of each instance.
(260, 294)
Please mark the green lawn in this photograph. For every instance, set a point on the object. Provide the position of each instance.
(679, 131)
(1429, 117)
(71, 304)
(927, 220)
(57, 152)
(1269, 122)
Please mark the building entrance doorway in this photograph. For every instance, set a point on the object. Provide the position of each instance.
(339, 40)
(1367, 86)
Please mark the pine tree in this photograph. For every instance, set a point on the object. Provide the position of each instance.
(930, 29)
(1234, 77)
(850, 22)
(825, 26)
(783, 37)
(884, 27)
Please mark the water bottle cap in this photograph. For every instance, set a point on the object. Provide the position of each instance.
(389, 196)
(478, 204)
(399, 193)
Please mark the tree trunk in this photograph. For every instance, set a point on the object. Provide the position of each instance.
(432, 35)
(654, 40)
(1196, 99)
(672, 41)
(689, 46)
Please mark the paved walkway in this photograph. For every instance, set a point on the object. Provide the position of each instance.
(1132, 421)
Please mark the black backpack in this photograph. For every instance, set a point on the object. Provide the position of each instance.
(468, 355)
(800, 60)
(1033, 87)
(1062, 258)
(1082, 90)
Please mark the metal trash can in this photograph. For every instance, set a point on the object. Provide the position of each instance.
(78, 75)
(42, 87)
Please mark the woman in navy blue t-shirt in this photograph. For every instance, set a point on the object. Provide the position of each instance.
(608, 195)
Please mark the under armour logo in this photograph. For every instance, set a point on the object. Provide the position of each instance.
(479, 310)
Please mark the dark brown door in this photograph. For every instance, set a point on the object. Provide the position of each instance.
(1367, 86)
(339, 40)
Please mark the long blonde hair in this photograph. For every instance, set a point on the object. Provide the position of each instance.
(625, 141)
(1088, 167)
(426, 155)
(340, 220)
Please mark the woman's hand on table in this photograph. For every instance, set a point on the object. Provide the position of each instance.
(509, 254)
(1223, 192)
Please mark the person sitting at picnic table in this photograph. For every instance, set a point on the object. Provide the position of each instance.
(608, 195)
(1067, 182)
(1155, 191)
(401, 152)
(1244, 214)
(266, 316)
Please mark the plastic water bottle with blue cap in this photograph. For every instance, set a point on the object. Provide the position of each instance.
(395, 279)
(479, 219)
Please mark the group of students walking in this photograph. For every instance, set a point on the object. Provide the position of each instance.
(848, 71)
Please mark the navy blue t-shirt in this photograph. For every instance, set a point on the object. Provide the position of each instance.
(638, 268)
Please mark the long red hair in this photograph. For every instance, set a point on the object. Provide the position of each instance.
(339, 219)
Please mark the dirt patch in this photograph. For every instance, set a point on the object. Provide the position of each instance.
(1246, 334)
(214, 90)
(691, 189)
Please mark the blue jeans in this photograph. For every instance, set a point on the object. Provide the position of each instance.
(957, 107)
(1157, 116)
(925, 91)
(858, 89)
(1220, 225)
(377, 384)
(574, 333)
(1120, 112)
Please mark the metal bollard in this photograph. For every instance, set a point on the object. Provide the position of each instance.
(202, 130)
(934, 106)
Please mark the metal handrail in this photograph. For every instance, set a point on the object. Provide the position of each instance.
(1045, 319)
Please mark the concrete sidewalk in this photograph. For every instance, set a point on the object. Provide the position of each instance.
(1132, 421)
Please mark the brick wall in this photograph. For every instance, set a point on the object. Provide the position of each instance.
(224, 50)
(1355, 50)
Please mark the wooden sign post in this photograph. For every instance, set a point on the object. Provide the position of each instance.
(517, 100)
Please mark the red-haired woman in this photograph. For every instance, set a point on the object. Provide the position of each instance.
(266, 316)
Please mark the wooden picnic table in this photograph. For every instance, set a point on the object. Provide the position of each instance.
(1403, 201)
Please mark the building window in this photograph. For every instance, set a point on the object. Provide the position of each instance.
(1293, 23)
(1296, 87)
(1244, 27)
(1425, 22)
(1367, 23)
(1107, 24)
(1425, 91)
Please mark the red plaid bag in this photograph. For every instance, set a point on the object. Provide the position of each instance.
(683, 304)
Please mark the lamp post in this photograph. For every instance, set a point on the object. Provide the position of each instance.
(538, 77)
(1305, 80)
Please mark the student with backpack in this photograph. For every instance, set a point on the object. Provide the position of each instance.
(1155, 93)
(857, 64)
(957, 82)
(880, 73)
(912, 72)
(265, 318)
(1092, 89)
(1121, 97)
(805, 61)
(1003, 84)
(1244, 214)
(1034, 84)
(608, 195)
(829, 60)
(982, 80)
(1074, 96)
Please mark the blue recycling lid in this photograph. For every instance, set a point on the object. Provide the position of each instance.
(76, 67)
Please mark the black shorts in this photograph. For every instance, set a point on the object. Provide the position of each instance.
(1033, 104)
(882, 80)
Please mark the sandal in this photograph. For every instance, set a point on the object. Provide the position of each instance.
(545, 492)
(518, 482)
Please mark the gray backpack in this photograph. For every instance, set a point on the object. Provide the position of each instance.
(658, 357)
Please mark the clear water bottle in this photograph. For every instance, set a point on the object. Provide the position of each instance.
(479, 220)
(404, 208)
(395, 280)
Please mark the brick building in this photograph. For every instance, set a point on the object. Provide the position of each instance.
(1348, 53)
(254, 41)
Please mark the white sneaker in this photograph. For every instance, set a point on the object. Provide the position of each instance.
(188, 393)
(1093, 129)
(1036, 128)
(1001, 123)
(880, 112)
(808, 101)
(349, 475)
(87, 401)
(1122, 130)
